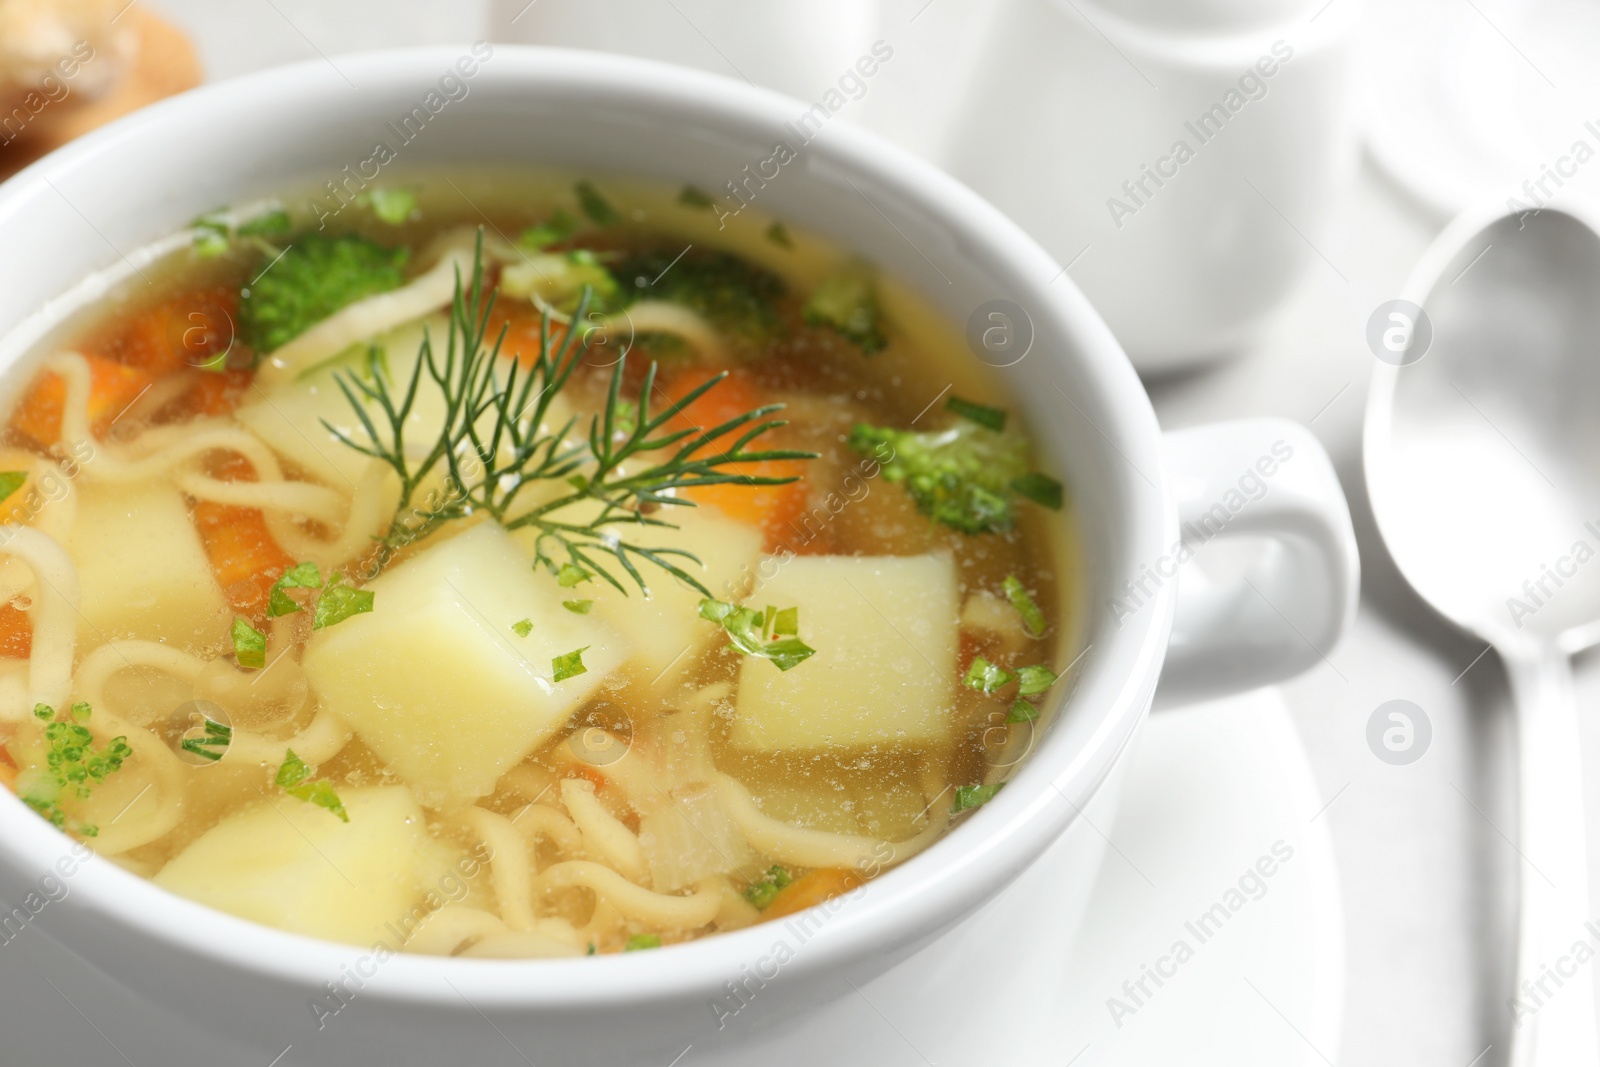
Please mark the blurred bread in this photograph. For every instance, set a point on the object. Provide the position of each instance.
(66, 68)
(38, 36)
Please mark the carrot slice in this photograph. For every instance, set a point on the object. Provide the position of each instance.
(188, 330)
(523, 332)
(811, 889)
(216, 394)
(775, 509)
(16, 632)
(243, 554)
(112, 388)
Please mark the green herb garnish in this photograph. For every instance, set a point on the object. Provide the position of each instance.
(758, 634)
(569, 665)
(639, 942)
(1020, 599)
(493, 411)
(315, 277)
(300, 576)
(692, 197)
(249, 645)
(972, 796)
(1039, 488)
(578, 607)
(212, 235)
(393, 206)
(762, 891)
(987, 417)
(292, 779)
(848, 302)
(986, 677)
(72, 765)
(339, 602)
(10, 482)
(596, 206)
(1022, 711)
(213, 742)
(1034, 680)
(557, 228)
(778, 234)
(523, 628)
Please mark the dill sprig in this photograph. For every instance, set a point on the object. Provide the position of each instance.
(491, 447)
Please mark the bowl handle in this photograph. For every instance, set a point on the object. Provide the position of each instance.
(1251, 618)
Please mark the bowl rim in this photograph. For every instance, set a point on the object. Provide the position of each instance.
(909, 902)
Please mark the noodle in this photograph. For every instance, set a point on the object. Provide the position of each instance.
(603, 834)
(513, 887)
(541, 820)
(54, 615)
(634, 902)
(820, 848)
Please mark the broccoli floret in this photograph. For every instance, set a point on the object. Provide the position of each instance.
(848, 302)
(559, 278)
(736, 296)
(315, 277)
(966, 477)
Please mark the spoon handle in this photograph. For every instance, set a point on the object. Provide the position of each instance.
(1552, 1006)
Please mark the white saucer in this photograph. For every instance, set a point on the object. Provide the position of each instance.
(1213, 788)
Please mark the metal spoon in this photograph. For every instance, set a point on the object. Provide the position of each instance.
(1481, 461)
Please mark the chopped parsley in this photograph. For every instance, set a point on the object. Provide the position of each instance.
(393, 206)
(569, 665)
(778, 234)
(213, 742)
(522, 628)
(770, 635)
(212, 236)
(72, 765)
(692, 197)
(274, 223)
(554, 230)
(987, 417)
(596, 206)
(986, 677)
(972, 796)
(10, 482)
(639, 942)
(249, 645)
(578, 607)
(1022, 711)
(300, 576)
(571, 574)
(339, 602)
(764, 889)
(1035, 680)
(292, 779)
(1039, 488)
(1020, 599)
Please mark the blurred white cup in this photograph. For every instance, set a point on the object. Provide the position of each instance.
(1179, 158)
(799, 47)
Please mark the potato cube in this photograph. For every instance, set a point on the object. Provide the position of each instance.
(886, 632)
(666, 630)
(290, 418)
(142, 571)
(435, 679)
(298, 867)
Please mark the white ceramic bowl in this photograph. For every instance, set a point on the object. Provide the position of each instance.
(119, 189)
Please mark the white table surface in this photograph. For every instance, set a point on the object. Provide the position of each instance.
(1424, 850)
